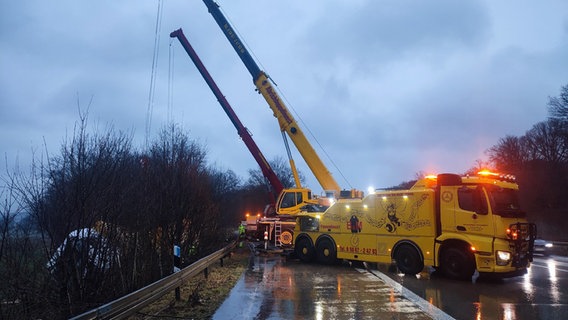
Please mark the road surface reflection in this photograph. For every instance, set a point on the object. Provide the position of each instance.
(275, 288)
(278, 289)
(536, 295)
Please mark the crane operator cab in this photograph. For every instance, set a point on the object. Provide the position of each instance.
(295, 200)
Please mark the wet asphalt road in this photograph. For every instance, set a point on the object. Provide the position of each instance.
(540, 294)
(275, 288)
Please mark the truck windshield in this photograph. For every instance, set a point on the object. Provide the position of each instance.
(505, 202)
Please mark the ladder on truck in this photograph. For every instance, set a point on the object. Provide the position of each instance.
(277, 233)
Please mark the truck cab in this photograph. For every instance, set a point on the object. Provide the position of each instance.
(482, 213)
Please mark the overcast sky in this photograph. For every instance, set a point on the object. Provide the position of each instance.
(388, 88)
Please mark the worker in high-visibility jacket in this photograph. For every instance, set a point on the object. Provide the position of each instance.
(242, 230)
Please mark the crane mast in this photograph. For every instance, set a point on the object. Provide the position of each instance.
(285, 119)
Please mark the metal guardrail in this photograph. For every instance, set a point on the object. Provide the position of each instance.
(133, 302)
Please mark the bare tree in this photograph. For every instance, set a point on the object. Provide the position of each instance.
(18, 270)
(226, 192)
(180, 198)
(282, 170)
(71, 200)
(509, 154)
(547, 141)
(558, 106)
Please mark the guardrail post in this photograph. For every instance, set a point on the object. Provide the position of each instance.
(177, 268)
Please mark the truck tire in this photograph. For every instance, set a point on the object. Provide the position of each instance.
(326, 251)
(408, 259)
(456, 263)
(304, 249)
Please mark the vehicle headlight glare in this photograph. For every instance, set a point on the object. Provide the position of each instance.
(503, 258)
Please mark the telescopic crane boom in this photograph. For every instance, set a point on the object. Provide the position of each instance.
(280, 229)
(241, 129)
(285, 119)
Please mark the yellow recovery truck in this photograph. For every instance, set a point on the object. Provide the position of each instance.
(457, 224)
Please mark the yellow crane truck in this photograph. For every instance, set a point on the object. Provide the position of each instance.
(453, 223)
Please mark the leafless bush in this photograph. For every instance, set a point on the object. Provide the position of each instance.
(100, 220)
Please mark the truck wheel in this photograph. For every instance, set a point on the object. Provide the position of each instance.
(408, 260)
(326, 251)
(286, 237)
(304, 249)
(457, 264)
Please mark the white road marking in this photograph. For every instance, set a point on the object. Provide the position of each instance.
(424, 305)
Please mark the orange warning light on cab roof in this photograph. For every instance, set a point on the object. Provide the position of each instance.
(486, 172)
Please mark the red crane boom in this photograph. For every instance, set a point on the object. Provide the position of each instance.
(241, 129)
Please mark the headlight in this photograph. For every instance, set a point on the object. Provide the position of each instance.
(503, 258)
(548, 245)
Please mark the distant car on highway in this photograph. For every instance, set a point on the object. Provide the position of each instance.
(542, 246)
